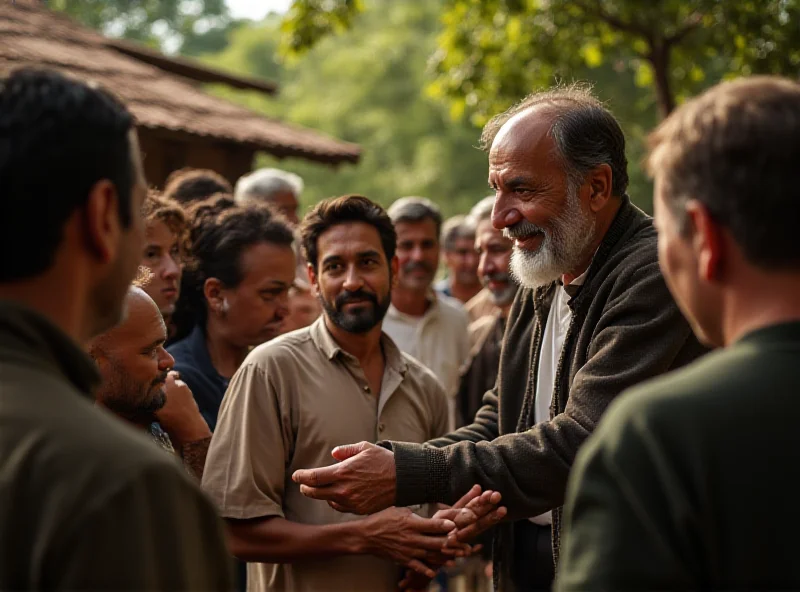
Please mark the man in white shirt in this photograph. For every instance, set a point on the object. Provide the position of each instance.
(430, 327)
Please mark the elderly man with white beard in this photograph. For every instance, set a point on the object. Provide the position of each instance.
(593, 317)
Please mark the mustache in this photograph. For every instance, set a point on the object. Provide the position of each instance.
(357, 296)
(497, 277)
(415, 265)
(522, 229)
(160, 378)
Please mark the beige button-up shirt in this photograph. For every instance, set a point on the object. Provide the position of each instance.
(439, 339)
(293, 400)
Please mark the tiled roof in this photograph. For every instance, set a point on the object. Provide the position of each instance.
(31, 35)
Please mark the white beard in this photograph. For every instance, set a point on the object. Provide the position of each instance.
(561, 251)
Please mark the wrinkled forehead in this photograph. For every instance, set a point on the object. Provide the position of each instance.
(526, 137)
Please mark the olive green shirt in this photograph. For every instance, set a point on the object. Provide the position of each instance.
(690, 481)
(86, 502)
(292, 401)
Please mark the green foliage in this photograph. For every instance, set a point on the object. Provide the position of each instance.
(201, 24)
(366, 86)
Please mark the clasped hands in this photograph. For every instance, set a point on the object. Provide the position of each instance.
(364, 482)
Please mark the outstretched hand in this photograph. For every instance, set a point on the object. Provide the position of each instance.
(362, 482)
(474, 513)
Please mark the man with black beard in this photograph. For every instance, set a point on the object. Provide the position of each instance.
(593, 317)
(297, 396)
(139, 387)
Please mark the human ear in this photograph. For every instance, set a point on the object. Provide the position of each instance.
(600, 186)
(707, 243)
(101, 220)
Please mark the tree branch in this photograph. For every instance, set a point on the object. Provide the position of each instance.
(689, 25)
(597, 11)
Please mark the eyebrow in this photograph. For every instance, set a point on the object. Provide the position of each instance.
(515, 182)
(155, 344)
(280, 284)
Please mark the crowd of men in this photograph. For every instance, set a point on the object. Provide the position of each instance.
(203, 388)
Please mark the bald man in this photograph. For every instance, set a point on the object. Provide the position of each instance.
(139, 387)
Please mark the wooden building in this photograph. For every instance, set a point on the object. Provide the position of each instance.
(179, 124)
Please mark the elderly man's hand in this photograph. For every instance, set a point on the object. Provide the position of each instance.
(362, 482)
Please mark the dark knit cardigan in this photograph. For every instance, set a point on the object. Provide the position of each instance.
(625, 329)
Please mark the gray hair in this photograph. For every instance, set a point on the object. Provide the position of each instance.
(482, 210)
(415, 209)
(262, 184)
(585, 133)
(455, 228)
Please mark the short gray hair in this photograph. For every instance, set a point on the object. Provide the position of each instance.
(262, 184)
(482, 210)
(455, 228)
(585, 133)
(415, 209)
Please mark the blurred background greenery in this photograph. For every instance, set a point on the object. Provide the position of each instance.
(413, 81)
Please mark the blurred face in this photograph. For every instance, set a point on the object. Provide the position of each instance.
(462, 261)
(353, 278)
(108, 296)
(253, 312)
(304, 309)
(133, 363)
(494, 263)
(417, 254)
(698, 300)
(286, 203)
(162, 257)
(550, 222)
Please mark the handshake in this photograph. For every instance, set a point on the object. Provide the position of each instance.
(364, 482)
(423, 545)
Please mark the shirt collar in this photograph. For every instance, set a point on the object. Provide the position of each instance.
(26, 335)
(325, 342)
(432, 310)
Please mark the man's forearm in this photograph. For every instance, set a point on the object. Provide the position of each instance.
(483, 426)
(194, 456)
(277, 540)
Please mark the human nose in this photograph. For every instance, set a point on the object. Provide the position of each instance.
(165, 360)
(504, 212)
(171, 269)
(352, 280)
(282, 310)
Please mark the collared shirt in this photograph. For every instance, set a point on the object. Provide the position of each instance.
(439, 339)
(87, 501)
(293, 400)
(555, 331)
(193, 363)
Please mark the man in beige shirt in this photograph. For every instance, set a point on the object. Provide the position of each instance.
(428, 326)
(297, 397)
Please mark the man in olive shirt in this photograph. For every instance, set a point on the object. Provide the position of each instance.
(297, 396)
(691, 481)
(85, 502)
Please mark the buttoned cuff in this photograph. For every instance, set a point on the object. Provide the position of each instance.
(422, 473)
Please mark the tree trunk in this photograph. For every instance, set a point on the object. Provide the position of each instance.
(659, 60)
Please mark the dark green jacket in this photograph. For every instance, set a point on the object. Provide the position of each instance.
(86, 502)
(690, 482)
(625, 328)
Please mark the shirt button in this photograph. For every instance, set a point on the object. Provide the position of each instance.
(381, 427)
(366, 388)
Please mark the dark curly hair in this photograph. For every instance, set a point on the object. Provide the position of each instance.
(220, 231)
(341, 210)
(188, 185)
